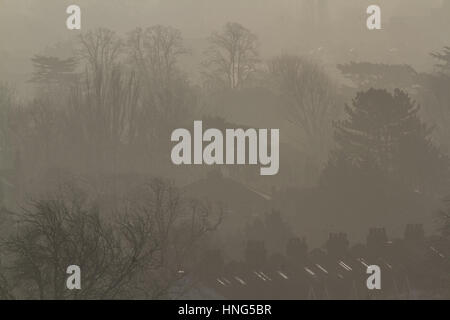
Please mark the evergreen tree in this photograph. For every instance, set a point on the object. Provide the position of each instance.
(384, 134)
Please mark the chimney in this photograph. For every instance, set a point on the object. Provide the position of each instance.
(297, 249)
(414, 234)
(376, 240)
(337, 244)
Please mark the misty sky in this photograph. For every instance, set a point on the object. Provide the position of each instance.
(28, 27)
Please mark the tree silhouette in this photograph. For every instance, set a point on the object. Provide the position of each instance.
(136, 252)
(100, 49)
(384, 130)
(311, 99)
(433, 92)
(232, 57)
(167, 96)
(6, 113)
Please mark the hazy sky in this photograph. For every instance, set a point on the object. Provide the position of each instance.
(29, 26)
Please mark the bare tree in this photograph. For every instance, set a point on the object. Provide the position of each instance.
(433, 92)
(100, 127)
(155, 51)
(166, 97)
(232, 57)
(137, 254)
(6, 123)
(311, 99)
(102, 109)
(179, 224)
(101, 50)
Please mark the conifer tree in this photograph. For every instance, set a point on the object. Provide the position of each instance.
(383, 131)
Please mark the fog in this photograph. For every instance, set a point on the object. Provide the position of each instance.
(292, 26)
(91, 121)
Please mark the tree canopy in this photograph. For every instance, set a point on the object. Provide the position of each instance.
(383, 129)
